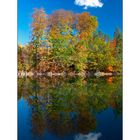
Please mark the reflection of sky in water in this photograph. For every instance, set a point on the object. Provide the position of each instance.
(90, 136)
(23, 119)
(103, 111)
(108, 126)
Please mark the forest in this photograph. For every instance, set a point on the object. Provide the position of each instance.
(69, 43)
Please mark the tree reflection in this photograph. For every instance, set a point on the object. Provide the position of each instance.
(85, 122)
(69, 105)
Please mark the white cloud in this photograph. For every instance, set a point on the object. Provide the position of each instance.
(90, 136)
(89, 3)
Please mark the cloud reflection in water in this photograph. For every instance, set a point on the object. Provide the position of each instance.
(90, 136)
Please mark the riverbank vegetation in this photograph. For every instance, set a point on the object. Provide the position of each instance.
(68, 42)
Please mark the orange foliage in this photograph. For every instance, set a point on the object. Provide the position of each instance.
(110, 68)
(86, 23)
(110, 80)
(40, 19)
(61, 17)
(113, 43)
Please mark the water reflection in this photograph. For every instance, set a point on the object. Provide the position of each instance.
(90, 136)
(67, 108)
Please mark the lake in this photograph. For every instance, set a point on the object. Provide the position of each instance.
(70, 108)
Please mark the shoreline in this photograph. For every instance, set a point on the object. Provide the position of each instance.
(63, 74)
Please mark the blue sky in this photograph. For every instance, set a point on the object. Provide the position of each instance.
(108, 12)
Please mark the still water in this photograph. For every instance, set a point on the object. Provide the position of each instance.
(70, 108)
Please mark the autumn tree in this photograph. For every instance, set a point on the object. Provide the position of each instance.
(100, 54)
(60, 35)
(67, 42)
(86, 25)
(39, 25)
(119, 39)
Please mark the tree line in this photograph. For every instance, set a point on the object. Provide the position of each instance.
(68, 42)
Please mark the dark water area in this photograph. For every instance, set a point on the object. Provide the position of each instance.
(70, 108)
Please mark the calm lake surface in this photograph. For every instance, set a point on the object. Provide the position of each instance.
(70, 108)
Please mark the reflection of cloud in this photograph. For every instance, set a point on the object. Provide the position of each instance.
(90, 136)
(89, 3)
